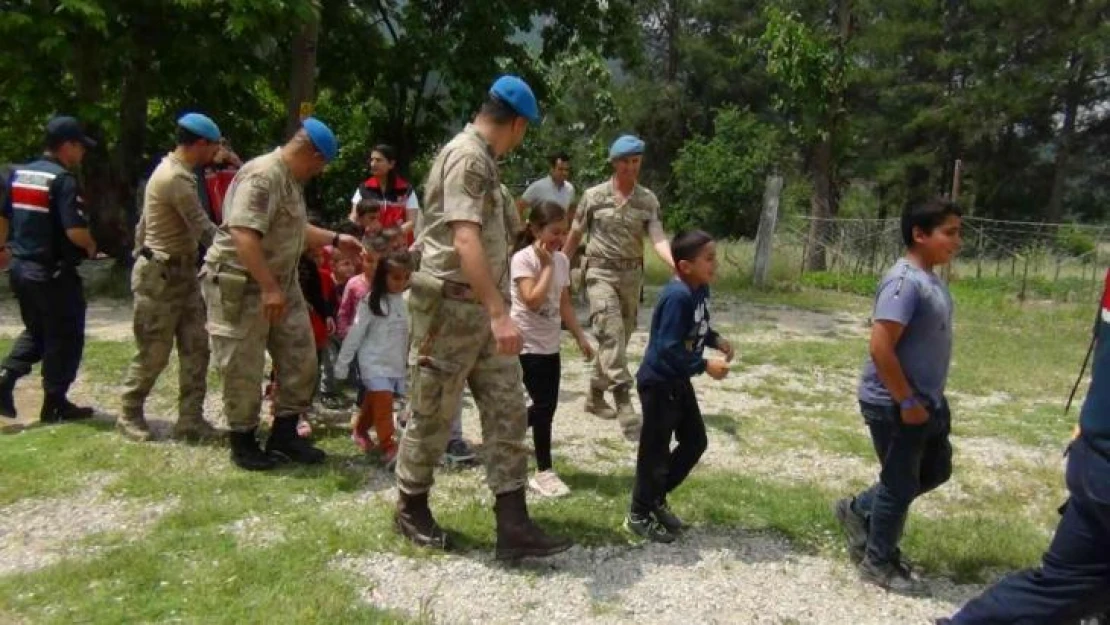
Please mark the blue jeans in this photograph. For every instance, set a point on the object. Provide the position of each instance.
(52, 305)
(1074, 578)
(915, 459)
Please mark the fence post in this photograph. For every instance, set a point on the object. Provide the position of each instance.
(979, 255)
(764, 237)
(1024, 277)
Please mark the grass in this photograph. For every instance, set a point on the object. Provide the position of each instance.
(190, 566)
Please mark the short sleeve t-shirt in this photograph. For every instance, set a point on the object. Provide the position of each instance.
(918, 300)
(544, 189)
(540, 328)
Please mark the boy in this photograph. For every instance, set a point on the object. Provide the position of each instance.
(901, 396)
(680, 332)
(368, 212)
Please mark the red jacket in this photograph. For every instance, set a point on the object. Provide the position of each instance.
(394, 203)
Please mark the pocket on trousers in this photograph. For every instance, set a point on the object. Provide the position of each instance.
(224, 316)
(148, 278)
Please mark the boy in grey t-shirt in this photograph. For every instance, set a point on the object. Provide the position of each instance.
(901, 395)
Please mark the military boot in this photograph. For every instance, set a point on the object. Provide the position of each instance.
(597, 406)
(194, 429)
(626, 414)
(57, 409)
(7, 392)
(517, 536)
(413, 519)
(285, 442)
(133, 425)
(246, 454)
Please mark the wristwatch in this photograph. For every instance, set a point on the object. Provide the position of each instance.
(908, 403)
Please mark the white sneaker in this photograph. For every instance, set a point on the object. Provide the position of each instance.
(548, 484)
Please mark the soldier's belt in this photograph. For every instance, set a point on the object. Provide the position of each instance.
(615, 264)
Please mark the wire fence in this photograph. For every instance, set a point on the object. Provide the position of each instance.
(1035, 260)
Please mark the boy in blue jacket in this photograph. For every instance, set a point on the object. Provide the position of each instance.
(680, 332)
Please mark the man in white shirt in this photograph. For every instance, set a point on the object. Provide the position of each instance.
(554, 187)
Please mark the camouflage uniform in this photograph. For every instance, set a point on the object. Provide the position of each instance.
(452, 343)
(266, 198)
(167, 300)
(614, 276)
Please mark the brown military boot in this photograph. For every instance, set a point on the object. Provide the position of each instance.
(194, 429)
(517, 536)
(597, 406)
(413, 520)
(626, 414)
(133, 425)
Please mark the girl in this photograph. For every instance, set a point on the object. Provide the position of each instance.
(380, 339)
(540, 300)
(399, 204)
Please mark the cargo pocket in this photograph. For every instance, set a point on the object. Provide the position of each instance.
(225, 294)
(148, 277)
(425, 305)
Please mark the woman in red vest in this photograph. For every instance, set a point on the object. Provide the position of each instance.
(399, 204)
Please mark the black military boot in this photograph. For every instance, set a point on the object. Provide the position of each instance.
(285, 442)
(58, 409)
(517, 536)
(413, 520)
(246, 454)
(7, 392)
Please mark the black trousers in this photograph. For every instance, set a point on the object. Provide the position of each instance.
(670, 411)
(541, 378)
(52, 305)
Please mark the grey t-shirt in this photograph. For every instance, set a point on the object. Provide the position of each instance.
(918, 300)
(545, 189)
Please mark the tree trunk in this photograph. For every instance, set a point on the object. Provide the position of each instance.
(820, 206)
(302, 81)
(118, 220)
(1064, 144)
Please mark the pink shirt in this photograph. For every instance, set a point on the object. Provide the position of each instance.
(540, 328)
(356, 289)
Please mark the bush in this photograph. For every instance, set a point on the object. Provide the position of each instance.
(1073, 241)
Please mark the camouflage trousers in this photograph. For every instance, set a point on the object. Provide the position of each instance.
(168, 310)
(241, 336)
(614, 305)
(453, 346)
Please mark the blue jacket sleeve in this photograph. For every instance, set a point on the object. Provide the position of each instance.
(69, 204)
(675, 323)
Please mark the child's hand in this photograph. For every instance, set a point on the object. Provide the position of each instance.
(542, 254)
(725, 348)
(717, 369)
(585, 347)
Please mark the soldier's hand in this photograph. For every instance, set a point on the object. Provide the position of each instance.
(350, 245)
(507, 335)
(273, 305)
(725, 348)
(915, 415)
(717, 369)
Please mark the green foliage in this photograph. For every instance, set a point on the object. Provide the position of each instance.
(720, 178)
(1075, 241)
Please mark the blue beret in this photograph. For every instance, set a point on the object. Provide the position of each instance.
(200, 125)
(518, 95)
(626, 145)
(322, 137)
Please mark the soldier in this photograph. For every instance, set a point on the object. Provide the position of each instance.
(167, 300)
(616, 215)
(249, 283)
(49, 238)
(462, 332)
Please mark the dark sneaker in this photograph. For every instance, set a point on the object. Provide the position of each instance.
(668, 519)
(895, 577)
(62, 410)
(854, 527)
(648, 528)
(459, 451)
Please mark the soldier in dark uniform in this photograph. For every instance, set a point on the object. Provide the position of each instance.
(47, 235)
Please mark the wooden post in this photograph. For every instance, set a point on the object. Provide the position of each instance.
(1024, 278)
(766, 234)
(979, 255)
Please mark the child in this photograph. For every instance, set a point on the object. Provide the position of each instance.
(380, 339)
(369, 212)
(680, 332)
(901, 395)
(540, 300)
(358, 286)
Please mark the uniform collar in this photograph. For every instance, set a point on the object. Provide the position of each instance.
(472, 131)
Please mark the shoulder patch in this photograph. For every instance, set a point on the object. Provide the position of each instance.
(476, 179)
